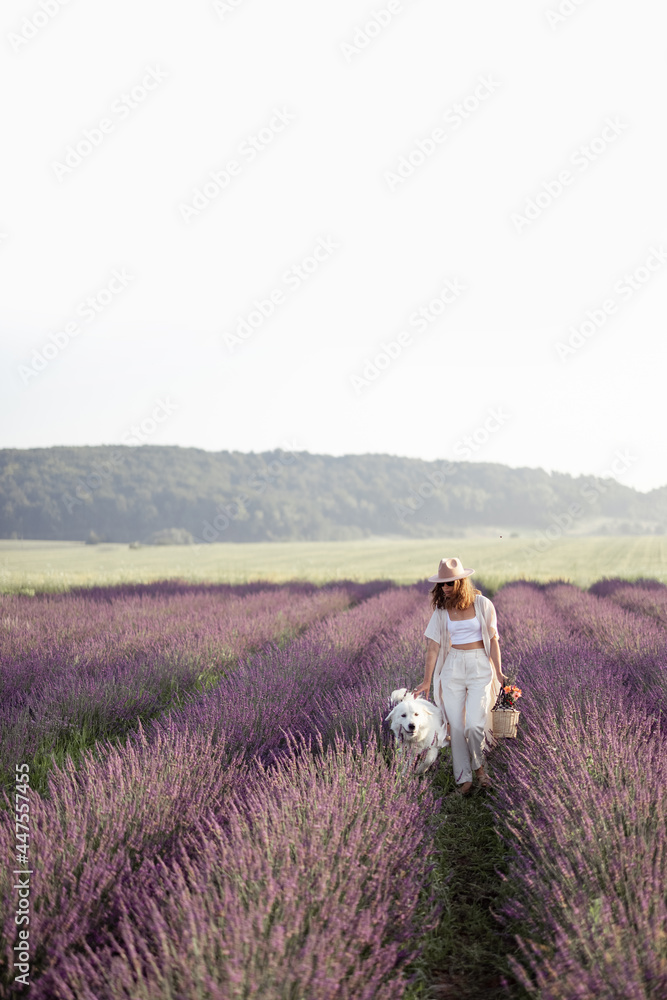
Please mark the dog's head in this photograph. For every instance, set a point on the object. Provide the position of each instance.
(410, 718)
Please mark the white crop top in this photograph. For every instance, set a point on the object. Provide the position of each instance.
(468, 630)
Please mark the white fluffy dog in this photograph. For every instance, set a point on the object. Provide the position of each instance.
(418, 727)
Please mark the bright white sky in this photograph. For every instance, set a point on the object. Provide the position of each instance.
(325, 174)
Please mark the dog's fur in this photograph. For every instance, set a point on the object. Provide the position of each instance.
(418, 727)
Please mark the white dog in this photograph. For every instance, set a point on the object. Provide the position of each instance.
(418, 726)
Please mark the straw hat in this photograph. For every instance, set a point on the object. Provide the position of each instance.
(450, 569)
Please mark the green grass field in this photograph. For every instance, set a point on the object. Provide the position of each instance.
(56, 566)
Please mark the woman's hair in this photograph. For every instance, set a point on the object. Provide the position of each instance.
(459, 597)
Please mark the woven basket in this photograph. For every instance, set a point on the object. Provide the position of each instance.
(505, 721)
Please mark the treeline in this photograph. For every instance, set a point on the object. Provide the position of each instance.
(161, 493)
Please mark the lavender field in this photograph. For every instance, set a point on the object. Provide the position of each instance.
(216, 813)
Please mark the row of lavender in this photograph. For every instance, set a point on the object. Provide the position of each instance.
(583, 803)
(186, 864)
(79, 667)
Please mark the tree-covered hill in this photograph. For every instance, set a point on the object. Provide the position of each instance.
(125, 494)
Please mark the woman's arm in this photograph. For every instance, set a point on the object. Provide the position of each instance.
(495, 659)
(494, 651)
(432, 650)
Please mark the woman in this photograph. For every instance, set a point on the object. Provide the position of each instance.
(463, 651)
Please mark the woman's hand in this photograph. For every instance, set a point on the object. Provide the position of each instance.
(423, 689)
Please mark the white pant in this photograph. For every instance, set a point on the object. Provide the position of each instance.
(463, 690)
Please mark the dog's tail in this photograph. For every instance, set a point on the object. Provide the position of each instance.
(398, 695)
